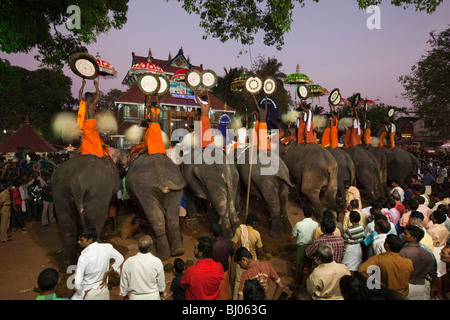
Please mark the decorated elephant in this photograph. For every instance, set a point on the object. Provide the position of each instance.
(382, 165)
(82, 191)
(401, 165)
(216, 181)
(312, 168)
(367, 171)
(155, 183)
(346, 168)
(270, 187)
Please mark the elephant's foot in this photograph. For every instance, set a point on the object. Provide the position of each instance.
(191, 221)
(276, 229)
(163, 249)
(178, 252)
(287, 228)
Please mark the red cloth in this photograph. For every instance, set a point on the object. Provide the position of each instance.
(15, 195)
(260, 270)
(202, 280)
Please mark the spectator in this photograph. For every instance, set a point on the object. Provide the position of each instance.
(353, 288)
(328, 226)
(303, 231)
(5, 211)
(381, 228)
(416, 219)
(93, 267)
(46, 283)
(17, 218)
(47, 201)
(35, 194)
(300, 293)
(202, 280)
(411, 205)
(394, 270)
(260, 270)
(323, 282)
(353, 236)
(333, 216)
(142, 276)
(253, 290)
(424, 271)
(354, 205)
(179, 292)
(222, 251)
(352, 193)
(398, 190)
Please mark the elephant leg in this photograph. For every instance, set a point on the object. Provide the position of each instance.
(311, 188)
(191, 208)
(276, 225)
(284, 199)
(172, 220)
(156, 216)
(69, 236)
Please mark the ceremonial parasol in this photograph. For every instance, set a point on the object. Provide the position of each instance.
(238, 84)
(105, 68)
(317, 91)
(345, 103)
(370, 103)
(180, 75)
(145, 67)
(297, 78)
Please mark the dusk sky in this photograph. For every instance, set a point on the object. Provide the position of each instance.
(330, 40)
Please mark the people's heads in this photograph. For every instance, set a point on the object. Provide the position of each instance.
(87, 236)
(253, 290)
(394, 183)
(47, 280)
(352, 288)
(252, 219)
(327, 225)
(354, 204)
(438, 217)
(382, 226)
(308, 211)
(8, 185)
(216, 230)
(242, 257)
(417, 214)
(178, 265)
(204, 248)
(391, 203)
(355, 217)
(438, 196)
(325, 252)
(393, 243)
(413, 234)
(445, 254)
(89, 96)
(419, 189)
(444, 209)
(347, 184)
(329, 214)
(413, 204)
(300, 293)
(145, 244)
(374, 211)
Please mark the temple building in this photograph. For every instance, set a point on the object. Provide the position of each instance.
(179, 108)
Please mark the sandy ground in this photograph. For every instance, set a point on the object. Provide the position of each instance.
(29, 253)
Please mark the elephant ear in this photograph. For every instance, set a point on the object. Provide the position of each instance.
(283, 173)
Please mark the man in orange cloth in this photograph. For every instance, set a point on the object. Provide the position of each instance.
(392, 130)
(153, 136)
(367, 131)
(355, 133)
(383, 134)
(204, 103)
(326, 136)
(306, 126)
(91, 142)
(334, 142)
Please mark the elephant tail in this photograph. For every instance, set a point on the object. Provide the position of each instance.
(283, 174)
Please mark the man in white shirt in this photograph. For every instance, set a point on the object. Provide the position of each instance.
(94, 267)
(397, 189)
(303, 231)
(142, 275)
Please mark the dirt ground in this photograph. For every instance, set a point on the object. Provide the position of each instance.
(29, 253)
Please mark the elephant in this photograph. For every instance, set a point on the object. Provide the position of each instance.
(156, 184)
(312, 168)
(382, 164)
(367, 171)
(346, 168)
(401, 165)
(272, 188)
(209, 175)
(82, 190)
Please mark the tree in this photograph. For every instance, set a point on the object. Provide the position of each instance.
(106, 100)
(240, 20)
(428, 84)
(29, 24)
(37, 95)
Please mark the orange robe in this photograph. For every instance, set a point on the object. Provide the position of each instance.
(392, 140)
(301, 132)
(334, 133)
(347, 138)
(262, 137)
(206, 125)
(310, 135)
(367, 139)
(326, 138)
(91, 142)
(382, 137)
(154, 140)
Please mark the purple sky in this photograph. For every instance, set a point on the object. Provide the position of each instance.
(330, 41)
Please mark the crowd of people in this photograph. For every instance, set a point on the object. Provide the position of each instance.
(393, 248)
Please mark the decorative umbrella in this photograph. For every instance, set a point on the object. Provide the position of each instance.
(317, 91)
(370, 103)
(345, 103)
(146, 67)
(238, 84)
(105, 68)
(297, 78)
(180, 75)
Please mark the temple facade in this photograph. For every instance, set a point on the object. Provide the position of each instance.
(179, 108)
